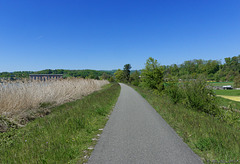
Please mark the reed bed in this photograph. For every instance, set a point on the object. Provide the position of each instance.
(20, 96)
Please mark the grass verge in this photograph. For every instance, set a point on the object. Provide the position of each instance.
(227, 102)
(213, 140)
(228, 92)
(62, 136)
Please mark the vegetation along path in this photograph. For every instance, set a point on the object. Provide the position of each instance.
(136, 133)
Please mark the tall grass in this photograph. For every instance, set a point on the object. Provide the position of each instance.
(21, 96)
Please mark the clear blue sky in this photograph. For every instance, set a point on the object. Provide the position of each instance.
(106, 34)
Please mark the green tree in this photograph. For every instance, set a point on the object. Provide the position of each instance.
(152, 75)
(135, 78)
(126, 71)
(105, 76)
(237, 81)
(119, 74)
(111, 79)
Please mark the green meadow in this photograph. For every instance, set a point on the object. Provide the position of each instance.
(228, 92)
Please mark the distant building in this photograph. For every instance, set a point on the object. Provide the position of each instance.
(45, 77)
(227, 87)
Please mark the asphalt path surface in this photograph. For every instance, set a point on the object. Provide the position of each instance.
(136, 134)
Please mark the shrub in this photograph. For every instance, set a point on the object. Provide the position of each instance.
(111, 79)
(237, 82)
(135, 78)
(172, 89)
(199, 96)
(231, 117)
(136, 83)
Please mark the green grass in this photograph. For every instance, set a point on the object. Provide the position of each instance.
(220, 83)
(63, 136)
(207, 136)
(228, 92)
(227, 102)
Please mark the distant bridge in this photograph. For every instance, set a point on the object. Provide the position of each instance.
(45, 77)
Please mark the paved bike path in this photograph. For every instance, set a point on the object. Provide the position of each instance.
(136, 134)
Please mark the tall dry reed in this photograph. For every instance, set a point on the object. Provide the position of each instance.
(21, 96)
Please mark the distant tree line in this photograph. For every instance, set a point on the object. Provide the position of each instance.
(91, 74)
(16, 75)
(154, 75)
(211, 69)
(191, 69)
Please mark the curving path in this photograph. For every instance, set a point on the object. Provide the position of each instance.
(136, 134)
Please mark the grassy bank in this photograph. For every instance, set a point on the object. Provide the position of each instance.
(63, 136)
(226, 102)
(229, 103)
(228, 92)
(210, 138)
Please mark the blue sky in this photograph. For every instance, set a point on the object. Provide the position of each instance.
(106, 34)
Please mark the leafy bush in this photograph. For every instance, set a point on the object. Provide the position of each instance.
(136, 83)
(111, 79)
(199, 96)
(230, 116)
(237, 81)
(172, 89)
(119, 75)
(152, 76)
(135, 78)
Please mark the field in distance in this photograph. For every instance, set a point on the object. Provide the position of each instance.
(220, 84)
(229, 98)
